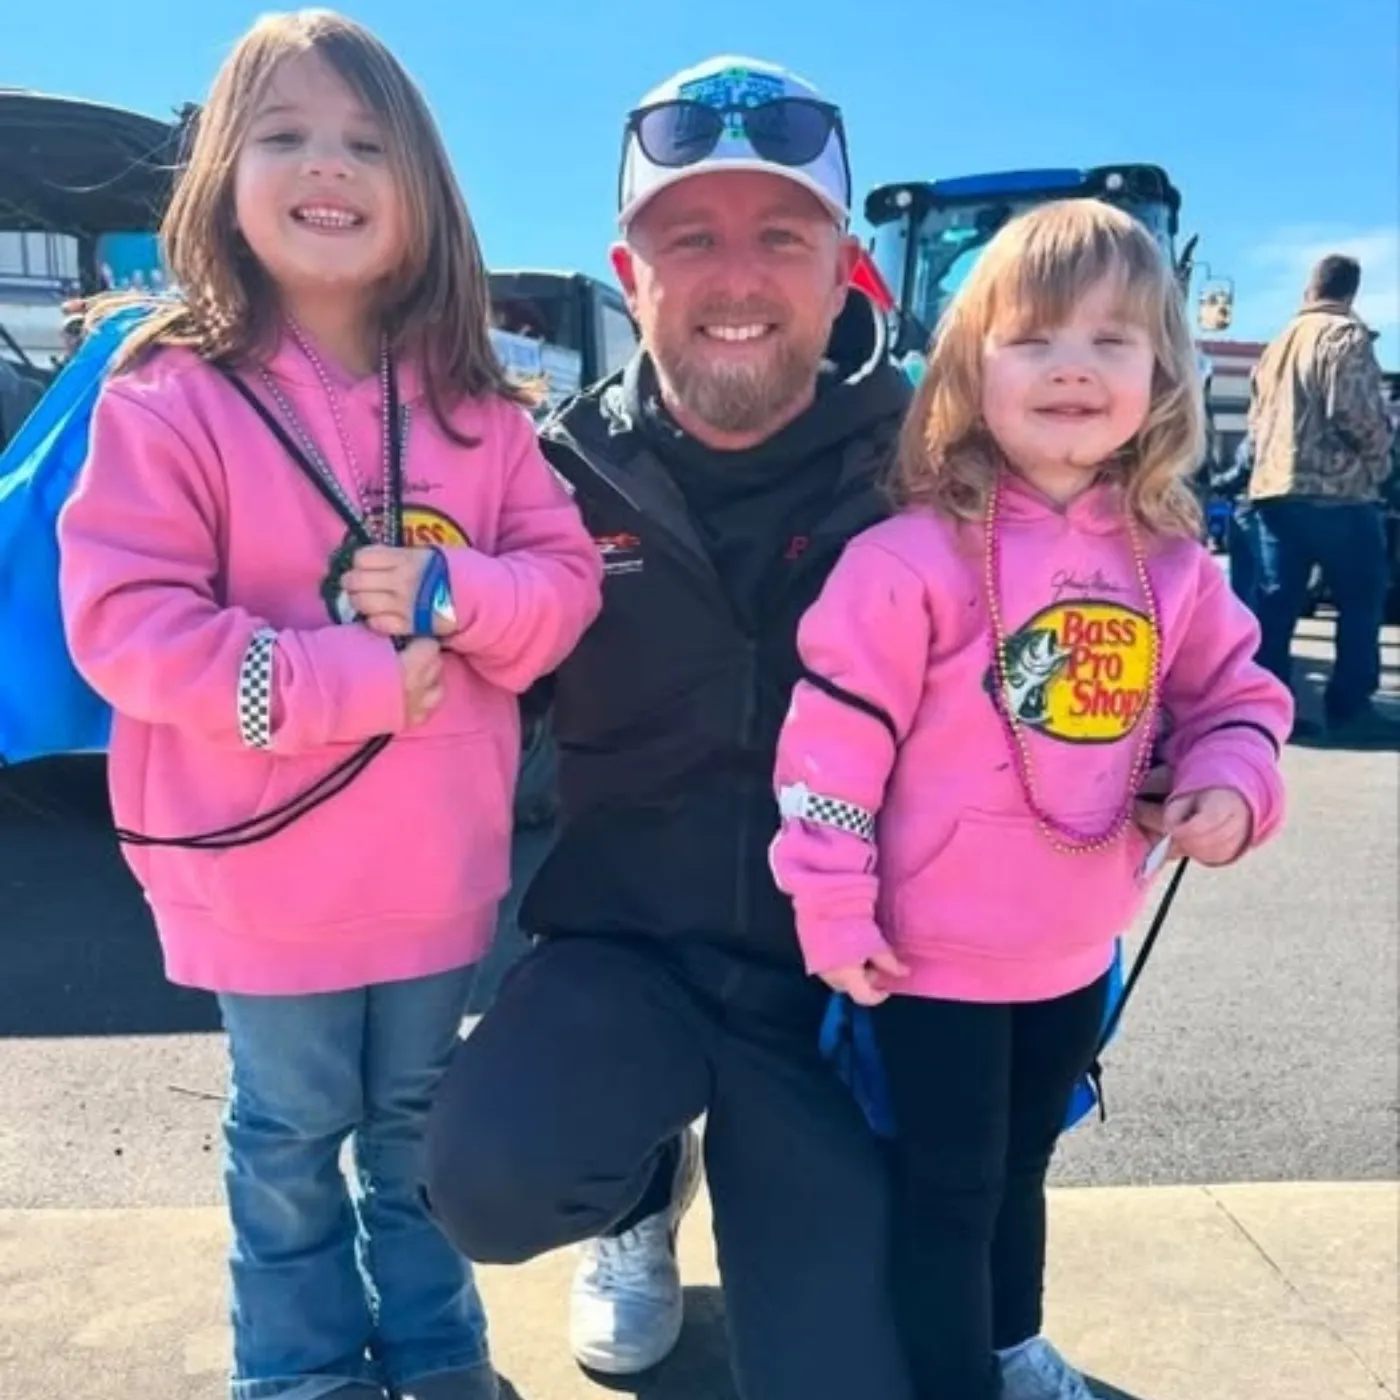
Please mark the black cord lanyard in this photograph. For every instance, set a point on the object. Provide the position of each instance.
(1110, 1025)
(317, 478)
(260, 828)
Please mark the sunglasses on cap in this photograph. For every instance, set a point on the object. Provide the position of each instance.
(791, 131)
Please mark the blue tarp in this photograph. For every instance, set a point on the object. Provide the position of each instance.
(46, 707)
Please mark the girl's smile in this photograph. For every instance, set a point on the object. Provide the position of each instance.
(328, 216)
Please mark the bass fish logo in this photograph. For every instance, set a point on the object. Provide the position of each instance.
(423, 527)
(1080, 671)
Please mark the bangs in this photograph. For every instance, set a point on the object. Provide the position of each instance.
(353, 55)
(357, 61)
(1058, 260)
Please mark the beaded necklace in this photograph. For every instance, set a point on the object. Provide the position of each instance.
(388, 521)
(1063, 837)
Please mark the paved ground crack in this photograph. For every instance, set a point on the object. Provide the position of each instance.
(1293, 1288)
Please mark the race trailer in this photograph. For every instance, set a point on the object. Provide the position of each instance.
(562, 330)
(82, 185)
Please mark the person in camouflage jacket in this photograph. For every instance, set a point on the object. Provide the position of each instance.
(1322, 440)
(1317, 412)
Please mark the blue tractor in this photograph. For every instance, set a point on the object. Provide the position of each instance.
(928, 234)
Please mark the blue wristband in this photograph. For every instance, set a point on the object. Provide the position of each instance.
(434, 597)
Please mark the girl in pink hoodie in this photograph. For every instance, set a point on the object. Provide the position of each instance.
(314, 557)
(987, 676)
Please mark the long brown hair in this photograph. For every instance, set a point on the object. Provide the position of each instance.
(435, 309)
(1032, 274)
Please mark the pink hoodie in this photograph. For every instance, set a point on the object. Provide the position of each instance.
(958, 878)
(189, 531)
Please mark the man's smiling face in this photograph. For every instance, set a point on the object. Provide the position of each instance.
(735, 279)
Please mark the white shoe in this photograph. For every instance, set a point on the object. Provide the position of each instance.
(627, 1307)
(1036, 1371)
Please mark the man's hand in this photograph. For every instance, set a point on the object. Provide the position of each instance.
(865, 982)
(382, 585)
(1211, 826)
(421, 662)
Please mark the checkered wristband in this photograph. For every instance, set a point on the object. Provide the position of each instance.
(799, 801)
(255, 691)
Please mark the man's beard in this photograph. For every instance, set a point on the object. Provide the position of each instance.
(740, 398)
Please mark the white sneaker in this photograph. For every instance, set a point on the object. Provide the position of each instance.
(1036, 1371)
(627, 1307)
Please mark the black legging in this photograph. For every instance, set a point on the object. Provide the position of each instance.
(979, 1094)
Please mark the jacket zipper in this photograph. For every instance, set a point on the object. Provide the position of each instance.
(743, 830)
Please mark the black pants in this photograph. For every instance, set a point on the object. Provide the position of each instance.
(979, 1095)
(594, 1056)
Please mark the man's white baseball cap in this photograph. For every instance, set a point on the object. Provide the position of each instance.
(698, 121)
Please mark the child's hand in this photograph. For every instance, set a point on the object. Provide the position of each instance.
(1151, 796)
(1211, 826)
(382, 585)
(421, 660)
(862, 982)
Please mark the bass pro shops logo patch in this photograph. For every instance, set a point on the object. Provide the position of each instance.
(1079, 672)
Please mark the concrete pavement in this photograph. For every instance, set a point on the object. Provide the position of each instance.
(1282, 1292)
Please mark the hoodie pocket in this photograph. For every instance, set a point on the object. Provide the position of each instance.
(422, 833)
(998, 888)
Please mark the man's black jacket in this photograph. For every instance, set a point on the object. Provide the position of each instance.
(666, 715)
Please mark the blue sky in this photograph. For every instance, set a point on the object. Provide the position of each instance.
(1276, 118)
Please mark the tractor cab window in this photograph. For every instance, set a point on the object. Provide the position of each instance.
(950, 238)
(552, 319)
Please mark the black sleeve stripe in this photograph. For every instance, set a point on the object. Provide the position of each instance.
(1247, 724)
(856, 702)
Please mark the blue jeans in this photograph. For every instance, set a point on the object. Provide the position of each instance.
(1242, 545)
(328, 1290)
(1348, 543)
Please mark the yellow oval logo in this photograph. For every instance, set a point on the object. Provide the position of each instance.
(1080, 671)
(424, 527)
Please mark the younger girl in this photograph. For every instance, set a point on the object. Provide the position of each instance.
(313, 558)
(987, 674)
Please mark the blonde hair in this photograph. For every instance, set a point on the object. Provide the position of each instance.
(435, 308)
(1031, 275)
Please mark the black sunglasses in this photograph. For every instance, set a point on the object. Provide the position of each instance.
(789, 131)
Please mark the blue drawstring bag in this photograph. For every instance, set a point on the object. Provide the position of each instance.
(847, 1040)
(1088, 1088)
(46, 707)
(848, 1045)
